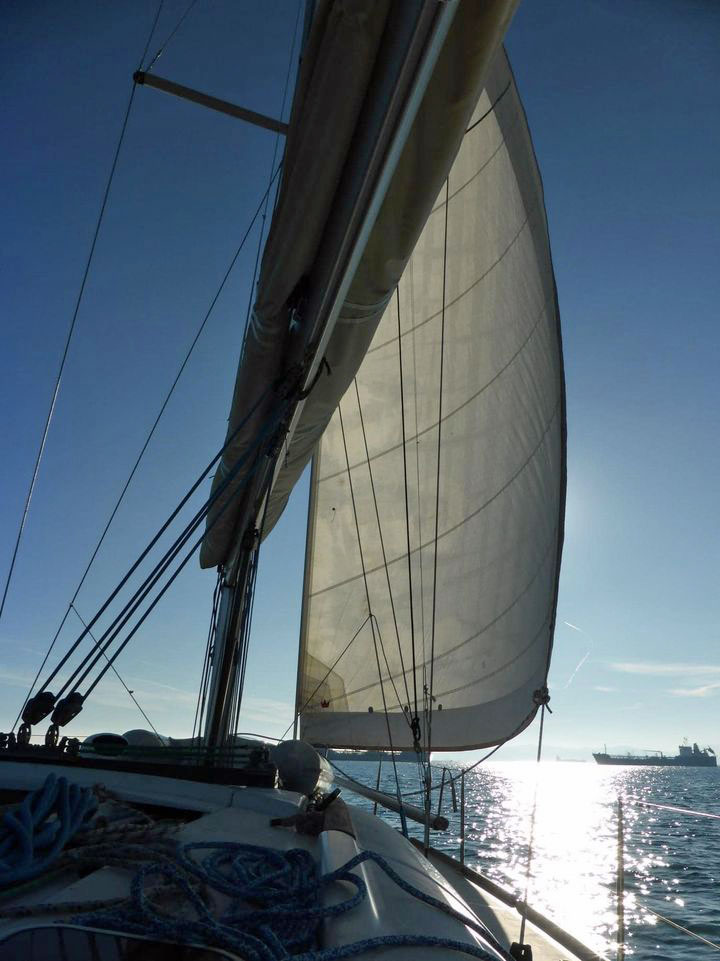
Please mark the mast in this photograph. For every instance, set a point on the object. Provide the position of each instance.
(419, 28)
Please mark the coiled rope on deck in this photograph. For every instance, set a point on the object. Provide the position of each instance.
(276, 906)
(34, 834)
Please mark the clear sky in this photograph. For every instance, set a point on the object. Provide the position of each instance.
(623, 100)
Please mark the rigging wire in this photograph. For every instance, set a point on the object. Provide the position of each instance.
(164, 527)
(117, 675)
(205, 676)
(437, 520)
(248, 610)
(373, 623)
(407, 504)
(373, 628)
(327, 674)
(167, 40)
(173, 552)
(71, 329)
(382, 543)
(151, 433)
(264, 435)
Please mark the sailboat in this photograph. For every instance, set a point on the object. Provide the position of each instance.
(405, 341)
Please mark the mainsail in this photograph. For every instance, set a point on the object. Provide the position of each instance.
(438, 488)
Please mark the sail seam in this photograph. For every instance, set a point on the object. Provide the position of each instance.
(488, 160)
(463, 293)
(489, 625)
(450, 530)
(456, 410)
(373, 621)
(382, 541)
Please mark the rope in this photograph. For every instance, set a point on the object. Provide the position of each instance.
(71, 329)
(373, 621)
(407, 504)
(263, 436)
(163, 45)
(209, 646)
(327, 675)
(374, 626)
(149, 437)
(429, 689)
(382, 544)
(33, 834)
(196, 519)
(117, 675)
(285, 890)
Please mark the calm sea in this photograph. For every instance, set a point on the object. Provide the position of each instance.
(672, 860)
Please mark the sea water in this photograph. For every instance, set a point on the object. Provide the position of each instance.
(672, 860)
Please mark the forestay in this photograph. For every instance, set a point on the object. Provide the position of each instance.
(474, 605)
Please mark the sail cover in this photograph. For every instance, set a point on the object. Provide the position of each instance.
(437, 495)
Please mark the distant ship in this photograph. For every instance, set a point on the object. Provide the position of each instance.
(686, 757)
(333, 755)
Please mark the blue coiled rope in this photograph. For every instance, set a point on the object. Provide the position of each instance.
(275, 909)
(33, 834)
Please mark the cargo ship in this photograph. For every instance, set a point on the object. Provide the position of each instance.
(686, 757)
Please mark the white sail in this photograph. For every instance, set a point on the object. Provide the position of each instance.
(473, 605)
(348, 45)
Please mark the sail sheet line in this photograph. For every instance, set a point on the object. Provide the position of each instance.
(382, 542)
(455, 527)
(428, 729)
(407, 507)
(456, 410)
(417, 460)
(373, 622)
(518, 597)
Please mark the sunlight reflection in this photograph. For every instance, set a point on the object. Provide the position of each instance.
(670, 860)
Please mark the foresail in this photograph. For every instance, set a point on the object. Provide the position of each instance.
(437, 506)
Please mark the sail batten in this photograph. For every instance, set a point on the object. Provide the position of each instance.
(475, 561)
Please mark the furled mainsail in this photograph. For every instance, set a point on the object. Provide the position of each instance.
(348, 41)
(474, 606)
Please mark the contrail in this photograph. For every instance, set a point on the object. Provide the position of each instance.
(587, 655)
(578, 629)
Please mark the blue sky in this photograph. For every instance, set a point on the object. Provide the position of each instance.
(622, 99)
